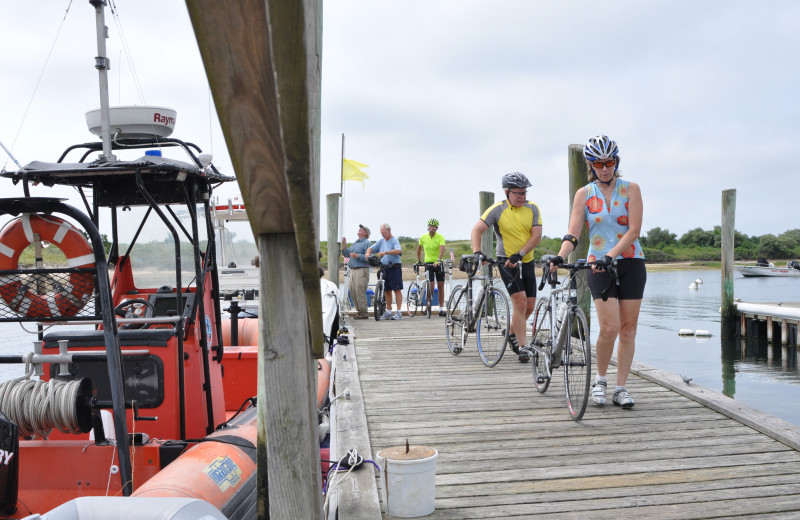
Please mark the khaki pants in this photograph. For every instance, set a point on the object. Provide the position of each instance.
(359, 279)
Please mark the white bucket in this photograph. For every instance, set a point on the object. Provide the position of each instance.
(409, 480)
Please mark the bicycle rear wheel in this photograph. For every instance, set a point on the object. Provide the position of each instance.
(413, 299)
(423, 299)
(543, 341)
(379, 303)
(428, 300)
(577, 363)
(492, 328)
(454, 320)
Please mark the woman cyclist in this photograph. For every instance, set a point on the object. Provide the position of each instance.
(612, 208)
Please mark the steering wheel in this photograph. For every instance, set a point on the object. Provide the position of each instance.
(126, 309)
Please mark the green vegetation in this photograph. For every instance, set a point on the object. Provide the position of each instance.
(697, 246)
(700, 247)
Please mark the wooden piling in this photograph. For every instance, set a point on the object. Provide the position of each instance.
(578, 174)
(728, 319)
(334, 246)
(486, 199)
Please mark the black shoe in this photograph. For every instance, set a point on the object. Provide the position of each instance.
(524, 355)
(442, 313)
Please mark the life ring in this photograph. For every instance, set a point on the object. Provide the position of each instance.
(67, 299)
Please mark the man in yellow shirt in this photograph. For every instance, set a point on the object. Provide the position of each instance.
(517, 224)
(432, 243)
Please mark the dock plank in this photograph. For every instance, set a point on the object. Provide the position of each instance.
(506, 451)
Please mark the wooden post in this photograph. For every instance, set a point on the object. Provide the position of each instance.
(264, 68)
(486, 199)
(728, 318)
(287, 389)
(334, 246)
(578, 175)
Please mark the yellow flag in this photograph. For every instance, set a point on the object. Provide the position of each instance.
(351, 171)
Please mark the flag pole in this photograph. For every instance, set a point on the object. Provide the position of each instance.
(341, 191)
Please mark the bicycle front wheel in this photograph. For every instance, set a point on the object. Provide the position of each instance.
(413, 299)
(492, 328)
(577, 363)
(379, 303)
(543, 343)
(454, 320)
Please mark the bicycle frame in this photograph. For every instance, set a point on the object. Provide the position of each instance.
(487, 283)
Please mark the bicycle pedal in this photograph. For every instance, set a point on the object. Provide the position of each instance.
(541, 380)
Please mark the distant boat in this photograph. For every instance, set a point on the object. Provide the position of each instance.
(764, 268)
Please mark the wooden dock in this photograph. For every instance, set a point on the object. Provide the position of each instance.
(779, 320)
(506, 451)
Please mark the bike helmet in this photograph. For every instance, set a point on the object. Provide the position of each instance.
(601, 148)
(433, 222)
(515, 180)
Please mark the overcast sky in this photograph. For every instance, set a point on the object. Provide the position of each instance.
(441, 98)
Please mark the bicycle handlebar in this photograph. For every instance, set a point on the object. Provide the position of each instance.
(474, 263)
(552, 279)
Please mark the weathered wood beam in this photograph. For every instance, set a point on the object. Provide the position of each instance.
(262, 59)
(286, 407)
(263, 64)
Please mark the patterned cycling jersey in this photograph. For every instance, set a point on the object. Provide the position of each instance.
(512, 226)
(608, 221)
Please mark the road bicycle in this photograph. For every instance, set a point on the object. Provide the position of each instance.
(486, 314)
(418, 297)
(379, 298)
(345, 302)
(559, 316)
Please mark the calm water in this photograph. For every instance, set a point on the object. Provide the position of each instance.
(762, 376)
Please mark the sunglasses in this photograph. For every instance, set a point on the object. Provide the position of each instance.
(609, 163)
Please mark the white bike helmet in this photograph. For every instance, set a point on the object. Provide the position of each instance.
(601, 148)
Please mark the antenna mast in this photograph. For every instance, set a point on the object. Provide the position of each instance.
(102, 64)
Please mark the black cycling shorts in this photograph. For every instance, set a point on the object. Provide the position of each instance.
(512, 280)
(632, 275)
(436, 274)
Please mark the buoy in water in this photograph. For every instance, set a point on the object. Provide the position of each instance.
(698, 281)
(686, 332)
(693, 285)
(702, 333)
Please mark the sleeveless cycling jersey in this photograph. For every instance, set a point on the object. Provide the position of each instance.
(512, 226)
(431, 246)
(608, 221)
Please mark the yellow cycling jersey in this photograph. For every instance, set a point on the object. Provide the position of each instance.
(512, 226)
(431, 246)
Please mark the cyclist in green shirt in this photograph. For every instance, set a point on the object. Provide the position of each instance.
(433, 245)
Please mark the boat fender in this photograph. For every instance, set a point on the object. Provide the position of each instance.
(702, 333)
(686, 332)
(65, 300)
(141, 508)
